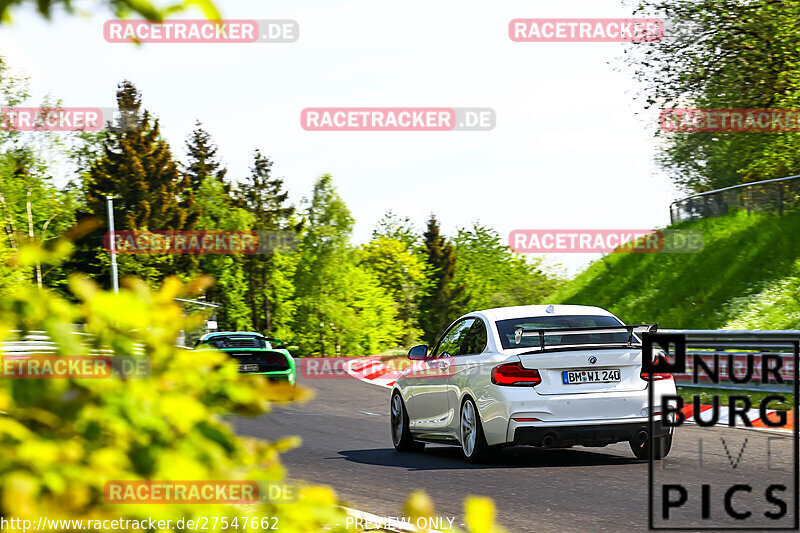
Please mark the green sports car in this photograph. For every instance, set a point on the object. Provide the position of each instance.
(256, 353)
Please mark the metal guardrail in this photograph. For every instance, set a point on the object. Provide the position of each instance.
(38, 342)
(774, 195)
(733, 348)
(733, 344)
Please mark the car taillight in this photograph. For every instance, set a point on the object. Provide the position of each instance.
(274, 358)
(513, 374)
(658, 361)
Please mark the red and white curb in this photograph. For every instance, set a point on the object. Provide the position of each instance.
(724, 418)
(372, 370)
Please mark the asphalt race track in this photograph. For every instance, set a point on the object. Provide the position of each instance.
(346, 444)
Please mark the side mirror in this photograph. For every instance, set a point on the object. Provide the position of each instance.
(418, 353)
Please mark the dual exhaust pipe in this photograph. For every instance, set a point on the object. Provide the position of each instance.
(549, 440)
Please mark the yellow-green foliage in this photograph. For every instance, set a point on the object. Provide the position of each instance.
(479, 512)
(62, 440)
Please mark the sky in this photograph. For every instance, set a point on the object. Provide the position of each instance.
(572, 148)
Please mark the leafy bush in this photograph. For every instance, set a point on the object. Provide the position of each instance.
(775, 306)
(62, 440)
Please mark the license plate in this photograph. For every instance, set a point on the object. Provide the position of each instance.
(602, 375)
(248, 368)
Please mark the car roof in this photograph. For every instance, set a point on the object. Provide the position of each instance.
(241, 333)
(522, 311)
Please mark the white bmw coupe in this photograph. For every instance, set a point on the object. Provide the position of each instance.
(549, 376)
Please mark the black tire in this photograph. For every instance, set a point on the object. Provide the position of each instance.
(475, 450)
(401, 435)
(662, 447)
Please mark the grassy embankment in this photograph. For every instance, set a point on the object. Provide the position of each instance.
(746, 277)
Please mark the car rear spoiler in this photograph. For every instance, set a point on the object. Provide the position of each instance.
(519, 333)
(275, 341)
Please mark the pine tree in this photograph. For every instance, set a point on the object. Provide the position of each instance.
(203, 160)
(444, 300)
(203, 163)
(150, 193)
(214, 209)
(264, 197)
(138, 169)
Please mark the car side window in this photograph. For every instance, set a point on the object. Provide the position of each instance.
(475, 341)
(451, 342)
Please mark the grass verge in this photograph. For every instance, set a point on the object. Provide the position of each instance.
(756, 397)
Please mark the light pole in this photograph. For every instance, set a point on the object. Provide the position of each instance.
(114, 273)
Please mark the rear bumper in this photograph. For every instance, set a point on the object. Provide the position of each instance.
(276, 375)
(586, 435)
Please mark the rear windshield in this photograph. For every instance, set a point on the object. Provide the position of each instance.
(506, 328)
(236, 341)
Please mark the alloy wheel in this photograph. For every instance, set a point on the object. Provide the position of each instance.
(397, 419)
(468, 428)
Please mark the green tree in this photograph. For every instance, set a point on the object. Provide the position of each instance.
(445, 299)
(281, 292)
(217, 212)
(264, 197)
(494, 276)
(14, 90)
(203, 158)
(214, 209)
(723, 54)
(32, 208)
(138, 169)
(401, 273)
(393, 226)
(203, 162)
(341, 307)
(262, 194)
